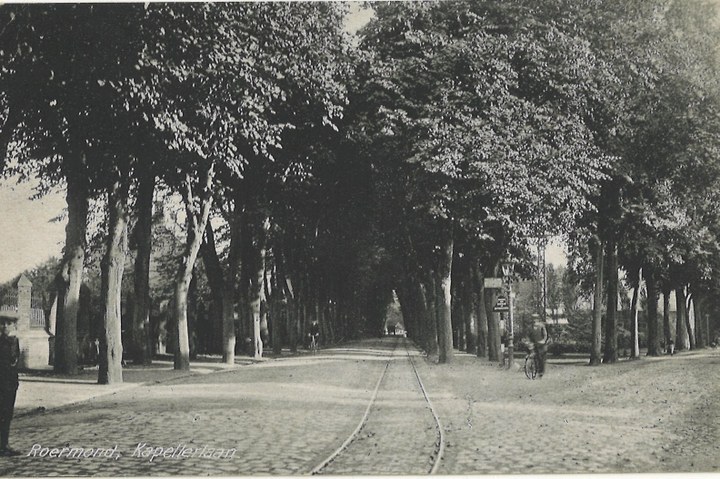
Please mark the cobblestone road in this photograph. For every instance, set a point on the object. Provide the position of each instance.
(284, 416)
(281, 417)
(400, 434)
(652, 415)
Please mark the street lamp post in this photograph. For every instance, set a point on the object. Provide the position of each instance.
(508, 269)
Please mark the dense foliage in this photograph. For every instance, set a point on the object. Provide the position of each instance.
(305, 174)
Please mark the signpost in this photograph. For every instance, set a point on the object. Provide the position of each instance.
(508, 269)
(501, 305)
(493, 283)
(504, 304)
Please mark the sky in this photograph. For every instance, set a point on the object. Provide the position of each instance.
(358, 17)
(29, 235)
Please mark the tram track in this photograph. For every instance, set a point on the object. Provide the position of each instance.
(441, 434)
(362, 444)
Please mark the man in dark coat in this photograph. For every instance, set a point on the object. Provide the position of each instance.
(9, 357)
(539, 336)
(315, 331)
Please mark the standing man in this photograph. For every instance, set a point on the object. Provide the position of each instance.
(9, 357)
(539, 338)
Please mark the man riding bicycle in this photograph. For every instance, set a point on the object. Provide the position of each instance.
(539, 338)
(314, 333)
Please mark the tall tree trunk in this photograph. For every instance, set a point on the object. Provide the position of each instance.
(330, 322)
(439, 326)
(246, 255)
(690, 326)
(234, 266)
(222, 293)
(229, 339)
(291, 325)
(596, 348)
(111, 348)
(283, 297)
(69, 278)
(141, 347)
(260, 228)
(611, 326)
(470, 313)
(682, 339)
(277, 310)
(445, 344)
(431, 317)
(292, 292)
(666, 317)
(192, 310)
(182, 341)
(427, 337)
(293, 313)
(701, 319)
(459, 322)
(422, 315)
(480, 312)
(264, 308)
(653, 321)
(303, 305)
(704, 319)
(686, 316)
(634, 327)
(494, 333)
(198, 212)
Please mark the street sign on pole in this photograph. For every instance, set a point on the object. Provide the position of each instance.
(493, 283)
(501, 305)
(508, 269)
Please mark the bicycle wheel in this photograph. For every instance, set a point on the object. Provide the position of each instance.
(530, 366)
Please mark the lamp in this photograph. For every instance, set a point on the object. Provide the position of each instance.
(508, 268)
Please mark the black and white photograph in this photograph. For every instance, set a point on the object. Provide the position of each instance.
(358, 238)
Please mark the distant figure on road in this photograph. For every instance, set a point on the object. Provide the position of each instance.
(9, 357)
(539, 337)
(315, 331)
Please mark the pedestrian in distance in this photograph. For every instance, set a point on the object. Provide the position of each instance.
(539, 337)
(314, 332)
(9, 357)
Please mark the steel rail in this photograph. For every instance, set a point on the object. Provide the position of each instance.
(363, 420)
(439, 445)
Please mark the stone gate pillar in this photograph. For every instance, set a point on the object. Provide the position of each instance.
(24, 303)
(34, 345)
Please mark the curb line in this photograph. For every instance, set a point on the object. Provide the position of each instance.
(41, 409)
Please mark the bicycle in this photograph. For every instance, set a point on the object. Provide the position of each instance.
(532, 364)
(313, 344)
